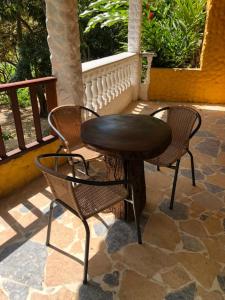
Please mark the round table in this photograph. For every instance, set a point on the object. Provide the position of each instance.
(133, 138)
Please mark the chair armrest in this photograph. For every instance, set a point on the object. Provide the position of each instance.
(90, 110)
(54, 128)
(71, 178)
(158, 110)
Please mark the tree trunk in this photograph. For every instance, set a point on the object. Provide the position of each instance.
(42, 102)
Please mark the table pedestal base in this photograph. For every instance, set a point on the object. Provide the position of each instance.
(136, 176)
(134, 170)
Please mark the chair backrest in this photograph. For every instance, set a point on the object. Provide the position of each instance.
(184, 122)
(66, 122)
(61, 188)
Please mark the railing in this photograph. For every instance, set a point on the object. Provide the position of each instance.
(111, 83)
(49, 86)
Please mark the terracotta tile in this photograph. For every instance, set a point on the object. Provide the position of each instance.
(214, 295)
(40, 236)
(99, 264)
(203, 269)
(218, 179)
(221, 158)
(3, 295)
(213, 225)
(62, 294)
(204, 201)
(161, 231)
(157, 181)
(142, 289)
(61, 269)
(40, 200)
(76, 248)
(153, 199)
(28, 219)
(61, 236)
(193, 227)
(216, 250)
(145, 259)
(96, 245)
(7, 235)
(176, 277)
(184, 186)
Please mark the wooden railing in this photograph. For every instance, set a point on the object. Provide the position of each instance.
(49, 86)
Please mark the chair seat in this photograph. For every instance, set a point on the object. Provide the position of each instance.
(87, 153)
(93, 199)
(169, 156)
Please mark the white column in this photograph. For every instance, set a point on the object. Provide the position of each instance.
(134, 26)
(64, 45)
(134, 42)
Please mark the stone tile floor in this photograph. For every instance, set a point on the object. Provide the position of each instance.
(183, 254)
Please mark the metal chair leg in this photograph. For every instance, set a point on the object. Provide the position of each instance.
(49, 223)
(174, 183)
(87, 242)
(86, 166)
(192, 167)
(136, 217)
(56, 158)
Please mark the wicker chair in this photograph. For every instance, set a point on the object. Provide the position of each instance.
(66, 122)
(184, 122)
(85, 198)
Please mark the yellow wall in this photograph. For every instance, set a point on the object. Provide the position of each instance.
(20, 171)
(206, 84)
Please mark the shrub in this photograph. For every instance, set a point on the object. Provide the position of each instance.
(174, 31)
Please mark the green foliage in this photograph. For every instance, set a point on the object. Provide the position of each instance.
(4, 99)
(173, 29)
(6, 136)
(23, 44)
(105, 13)
(175, 32)
(23, 97)
(101, 40)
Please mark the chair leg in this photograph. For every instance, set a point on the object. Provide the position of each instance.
(174, 183)
(137, 221)
(49, 223)
(158, 168)
(86, 166)
(56, 158)
(87, 242)
(192, 167)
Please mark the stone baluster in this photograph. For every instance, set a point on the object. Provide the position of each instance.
(104, 90)
(120, 79)
(127, 79)
(89, 95)
(94, 90)
(109, 87)
(118, 85)
(112, 85)
(122, 74)
(115, 86)
(100, 92)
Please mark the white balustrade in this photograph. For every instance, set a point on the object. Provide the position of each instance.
(110, 83)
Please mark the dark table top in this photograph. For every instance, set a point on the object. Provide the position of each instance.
(127, 135)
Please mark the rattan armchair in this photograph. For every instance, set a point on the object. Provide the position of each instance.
(66, 122)
(184, 122)
(83, 197)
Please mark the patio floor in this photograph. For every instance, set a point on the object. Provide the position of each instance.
(183, 254)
